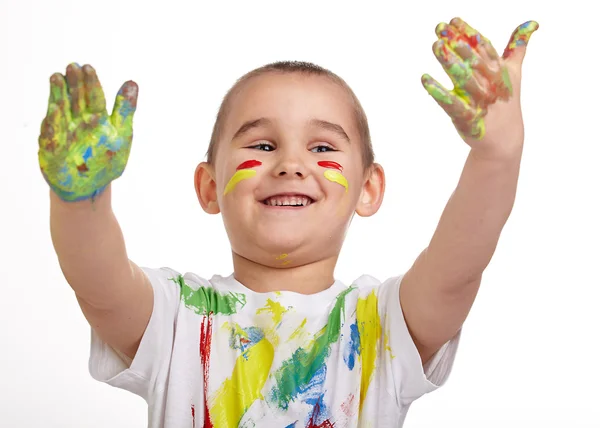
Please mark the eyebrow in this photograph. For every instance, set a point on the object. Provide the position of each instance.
(263, 122)
(333, 127)
(251, 124)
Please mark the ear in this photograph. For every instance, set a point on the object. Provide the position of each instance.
(371, 196)
(206, 188)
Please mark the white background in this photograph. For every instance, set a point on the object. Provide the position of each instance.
(529, 351)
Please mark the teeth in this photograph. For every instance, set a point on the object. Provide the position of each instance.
(277, 201)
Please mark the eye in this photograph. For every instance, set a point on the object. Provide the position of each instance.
(266, 147)
(322, 149)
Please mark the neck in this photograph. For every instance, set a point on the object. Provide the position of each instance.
(306, 279)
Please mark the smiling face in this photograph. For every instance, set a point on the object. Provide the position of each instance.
(288, 171)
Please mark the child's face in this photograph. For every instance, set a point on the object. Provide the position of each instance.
(288, 171)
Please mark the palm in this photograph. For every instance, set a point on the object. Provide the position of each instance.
(81, 148)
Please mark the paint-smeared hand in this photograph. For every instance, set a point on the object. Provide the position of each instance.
(81, 148)
(485, 102)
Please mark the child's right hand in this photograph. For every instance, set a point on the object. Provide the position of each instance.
(81, 148)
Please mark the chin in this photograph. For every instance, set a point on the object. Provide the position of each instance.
(281, 239)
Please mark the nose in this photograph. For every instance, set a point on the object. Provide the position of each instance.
(290, 172)
(291, 166)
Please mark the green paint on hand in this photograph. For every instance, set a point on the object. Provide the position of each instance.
(506, 80)
(439, 94)
(81, 148)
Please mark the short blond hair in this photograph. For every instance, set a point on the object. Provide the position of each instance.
(307, 68)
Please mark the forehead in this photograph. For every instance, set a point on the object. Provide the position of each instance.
(291, 99)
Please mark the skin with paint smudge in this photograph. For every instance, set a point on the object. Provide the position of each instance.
(335, 174)
(480, 76)
(81, 148)
(243, 172)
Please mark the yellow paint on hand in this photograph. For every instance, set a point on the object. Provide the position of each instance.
(369, 330)
(237, 393)
(242, 174)
(336, 177)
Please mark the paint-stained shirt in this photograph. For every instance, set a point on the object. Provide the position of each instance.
(216, 354)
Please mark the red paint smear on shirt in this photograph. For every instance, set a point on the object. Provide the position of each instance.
(330, 164)
(193, 416)
(249, 164)
(205, 339)
(313, 419)
(347, 405)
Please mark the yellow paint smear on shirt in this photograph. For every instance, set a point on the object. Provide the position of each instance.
(299, 331)
(386, 344)
(237, 393)
(336, 177)
(242, 174)
(276, 310)
(369, 330)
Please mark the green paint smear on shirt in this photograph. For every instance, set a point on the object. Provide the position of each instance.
(206, 300)
(297, 372)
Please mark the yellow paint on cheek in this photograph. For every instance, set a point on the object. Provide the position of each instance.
(244, 386)
(336, 177)
(240, 175)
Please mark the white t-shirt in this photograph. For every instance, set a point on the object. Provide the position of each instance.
(216, 354)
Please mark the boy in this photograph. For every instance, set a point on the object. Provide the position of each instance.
(280, 342)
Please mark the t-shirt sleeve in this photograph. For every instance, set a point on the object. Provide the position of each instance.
(149, 368)
(411, 378)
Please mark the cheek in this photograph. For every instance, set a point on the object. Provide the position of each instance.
(336, 177)
(241, 175)
(243, 172)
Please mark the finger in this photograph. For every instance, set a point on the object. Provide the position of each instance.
(476, 39)
(455, 106)
(76, 89)
(94, 95)
(60, 97)
(520, 37)
(461, 73)
(484, 60)
(125, 106)
(51, 130)
(467, 119)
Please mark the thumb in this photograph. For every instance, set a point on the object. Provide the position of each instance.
(125, 105)
(517, 45)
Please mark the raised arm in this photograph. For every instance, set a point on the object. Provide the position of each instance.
(81, 151)
(438, 291)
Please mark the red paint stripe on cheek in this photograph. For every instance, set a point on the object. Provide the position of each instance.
(330, 164)
(249, 164)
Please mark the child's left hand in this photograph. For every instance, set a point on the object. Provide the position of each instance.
(485, 103)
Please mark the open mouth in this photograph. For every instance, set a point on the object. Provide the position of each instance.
(288, 201)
